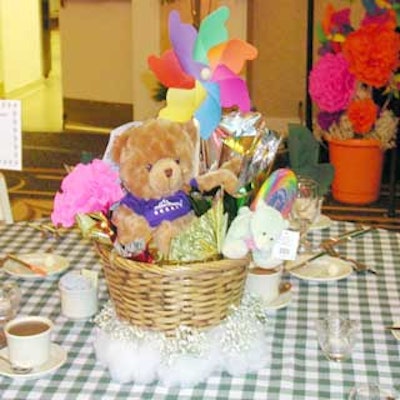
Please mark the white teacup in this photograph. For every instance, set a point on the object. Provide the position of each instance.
(264, 282)
(28, 340)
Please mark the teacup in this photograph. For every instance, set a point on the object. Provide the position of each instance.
(28, 340)
(264, 282)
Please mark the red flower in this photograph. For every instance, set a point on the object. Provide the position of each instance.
(373, 53)
(362, 115)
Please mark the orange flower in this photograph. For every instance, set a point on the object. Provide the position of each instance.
(327, 20)
(362, 115)
(373, 53)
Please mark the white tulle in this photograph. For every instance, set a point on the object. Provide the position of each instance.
(142, 360)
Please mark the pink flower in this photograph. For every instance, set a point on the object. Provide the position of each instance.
(331, 83)
(87, 188)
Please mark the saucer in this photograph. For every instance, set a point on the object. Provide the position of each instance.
(281, 301)
(58, 356)
(323, 269)
(322, 222)
(54, 264)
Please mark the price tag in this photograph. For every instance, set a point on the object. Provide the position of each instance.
(10, 135)
(286, 246)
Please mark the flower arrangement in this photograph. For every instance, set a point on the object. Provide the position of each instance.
(88, 188)
(356, 66)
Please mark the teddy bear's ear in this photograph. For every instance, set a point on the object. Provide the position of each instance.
(118, 145)
(192, 129)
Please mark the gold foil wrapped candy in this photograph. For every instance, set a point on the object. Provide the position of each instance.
(203, 239)
(95, 226)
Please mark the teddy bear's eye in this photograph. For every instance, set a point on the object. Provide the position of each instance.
(178, 161)
(149, 167)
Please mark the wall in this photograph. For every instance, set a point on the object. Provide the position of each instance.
(1, 53)
(146, 41)
(54, 7)
(278, 74)
(96, 45)
(21, 45)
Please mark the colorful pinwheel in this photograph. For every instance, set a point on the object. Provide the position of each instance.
(201, 71)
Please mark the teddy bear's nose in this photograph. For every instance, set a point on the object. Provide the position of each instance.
(168, 172)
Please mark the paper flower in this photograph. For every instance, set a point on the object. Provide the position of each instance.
(326, 119)
(87, 188)
(201, 71)
(362, 115)
(373, 53)
(331, 84)
(356, 78)
(333, 29)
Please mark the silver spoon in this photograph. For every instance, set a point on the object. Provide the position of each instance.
(16, 369)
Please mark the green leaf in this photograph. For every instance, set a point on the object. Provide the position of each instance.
(304, 157)
(321, 34)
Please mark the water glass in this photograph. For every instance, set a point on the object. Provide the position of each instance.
(10, 297)
(306, 208)
(337, 336)
(371, 391)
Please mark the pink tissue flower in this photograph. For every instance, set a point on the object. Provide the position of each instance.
(87, 188)
(331, 83)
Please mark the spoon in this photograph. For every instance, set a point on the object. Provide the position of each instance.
(16, 369)
(36, 269)
(393, 328)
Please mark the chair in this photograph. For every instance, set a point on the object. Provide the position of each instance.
(5, 206)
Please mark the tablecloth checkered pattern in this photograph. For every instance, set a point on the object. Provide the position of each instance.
(297, 368)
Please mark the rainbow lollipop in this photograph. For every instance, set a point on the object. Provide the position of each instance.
(278, 191)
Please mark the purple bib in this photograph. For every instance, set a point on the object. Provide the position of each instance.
(157, 210)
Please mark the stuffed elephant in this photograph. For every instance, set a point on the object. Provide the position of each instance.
(255, 231)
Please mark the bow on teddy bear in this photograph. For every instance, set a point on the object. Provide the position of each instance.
(158, 161)
(256, 232)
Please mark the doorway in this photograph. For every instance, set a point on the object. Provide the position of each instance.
(41, 97)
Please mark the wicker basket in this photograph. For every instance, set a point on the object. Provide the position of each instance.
(164, 297)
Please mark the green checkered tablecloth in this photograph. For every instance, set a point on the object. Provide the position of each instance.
(296, 370)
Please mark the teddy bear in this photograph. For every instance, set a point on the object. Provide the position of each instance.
(255, 231)
(158, 163)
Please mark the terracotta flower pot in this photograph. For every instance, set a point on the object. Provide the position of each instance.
(358, 170)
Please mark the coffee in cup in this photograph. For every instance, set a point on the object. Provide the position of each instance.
(28, 340)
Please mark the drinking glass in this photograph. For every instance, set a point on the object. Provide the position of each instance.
(10, 296)
(305, 209)
(336, 336)
(371, 391)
